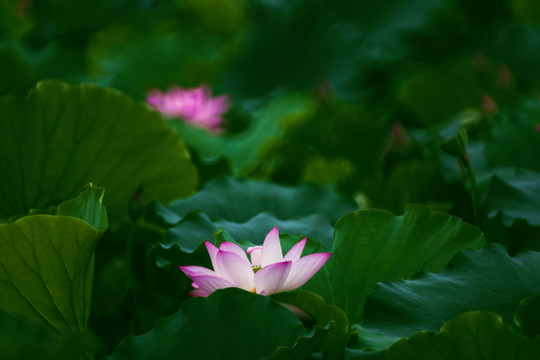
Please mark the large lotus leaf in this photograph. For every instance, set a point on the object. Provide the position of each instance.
(61, 137)
(229, 324)
(321, 314)
(372, 246)
(239, 199)
(243, 149)
(527, 316)
(488, 280)
(48, 264)
(518, 198)
(472, 336)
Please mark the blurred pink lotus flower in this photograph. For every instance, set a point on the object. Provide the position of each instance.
(196, 106)
(268, 272)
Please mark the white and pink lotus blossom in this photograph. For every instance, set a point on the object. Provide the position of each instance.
(195, 106)
(268, 272)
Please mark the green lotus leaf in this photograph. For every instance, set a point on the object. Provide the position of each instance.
(47, 262)
(471, 336)
(239, 199)
(372, 246)
(487, 280)
(67, 136)
(249, 209)
(229, 324)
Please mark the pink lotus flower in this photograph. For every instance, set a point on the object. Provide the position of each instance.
(268, 272)
(196, 106)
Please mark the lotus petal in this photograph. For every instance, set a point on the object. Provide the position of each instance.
(199, 270)
(255, 252)
(270, 279)
(236, 269)
(303, 269)
(271, 251)
(212, 251)
(296, 251)
(210, 283)
(232, 247)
